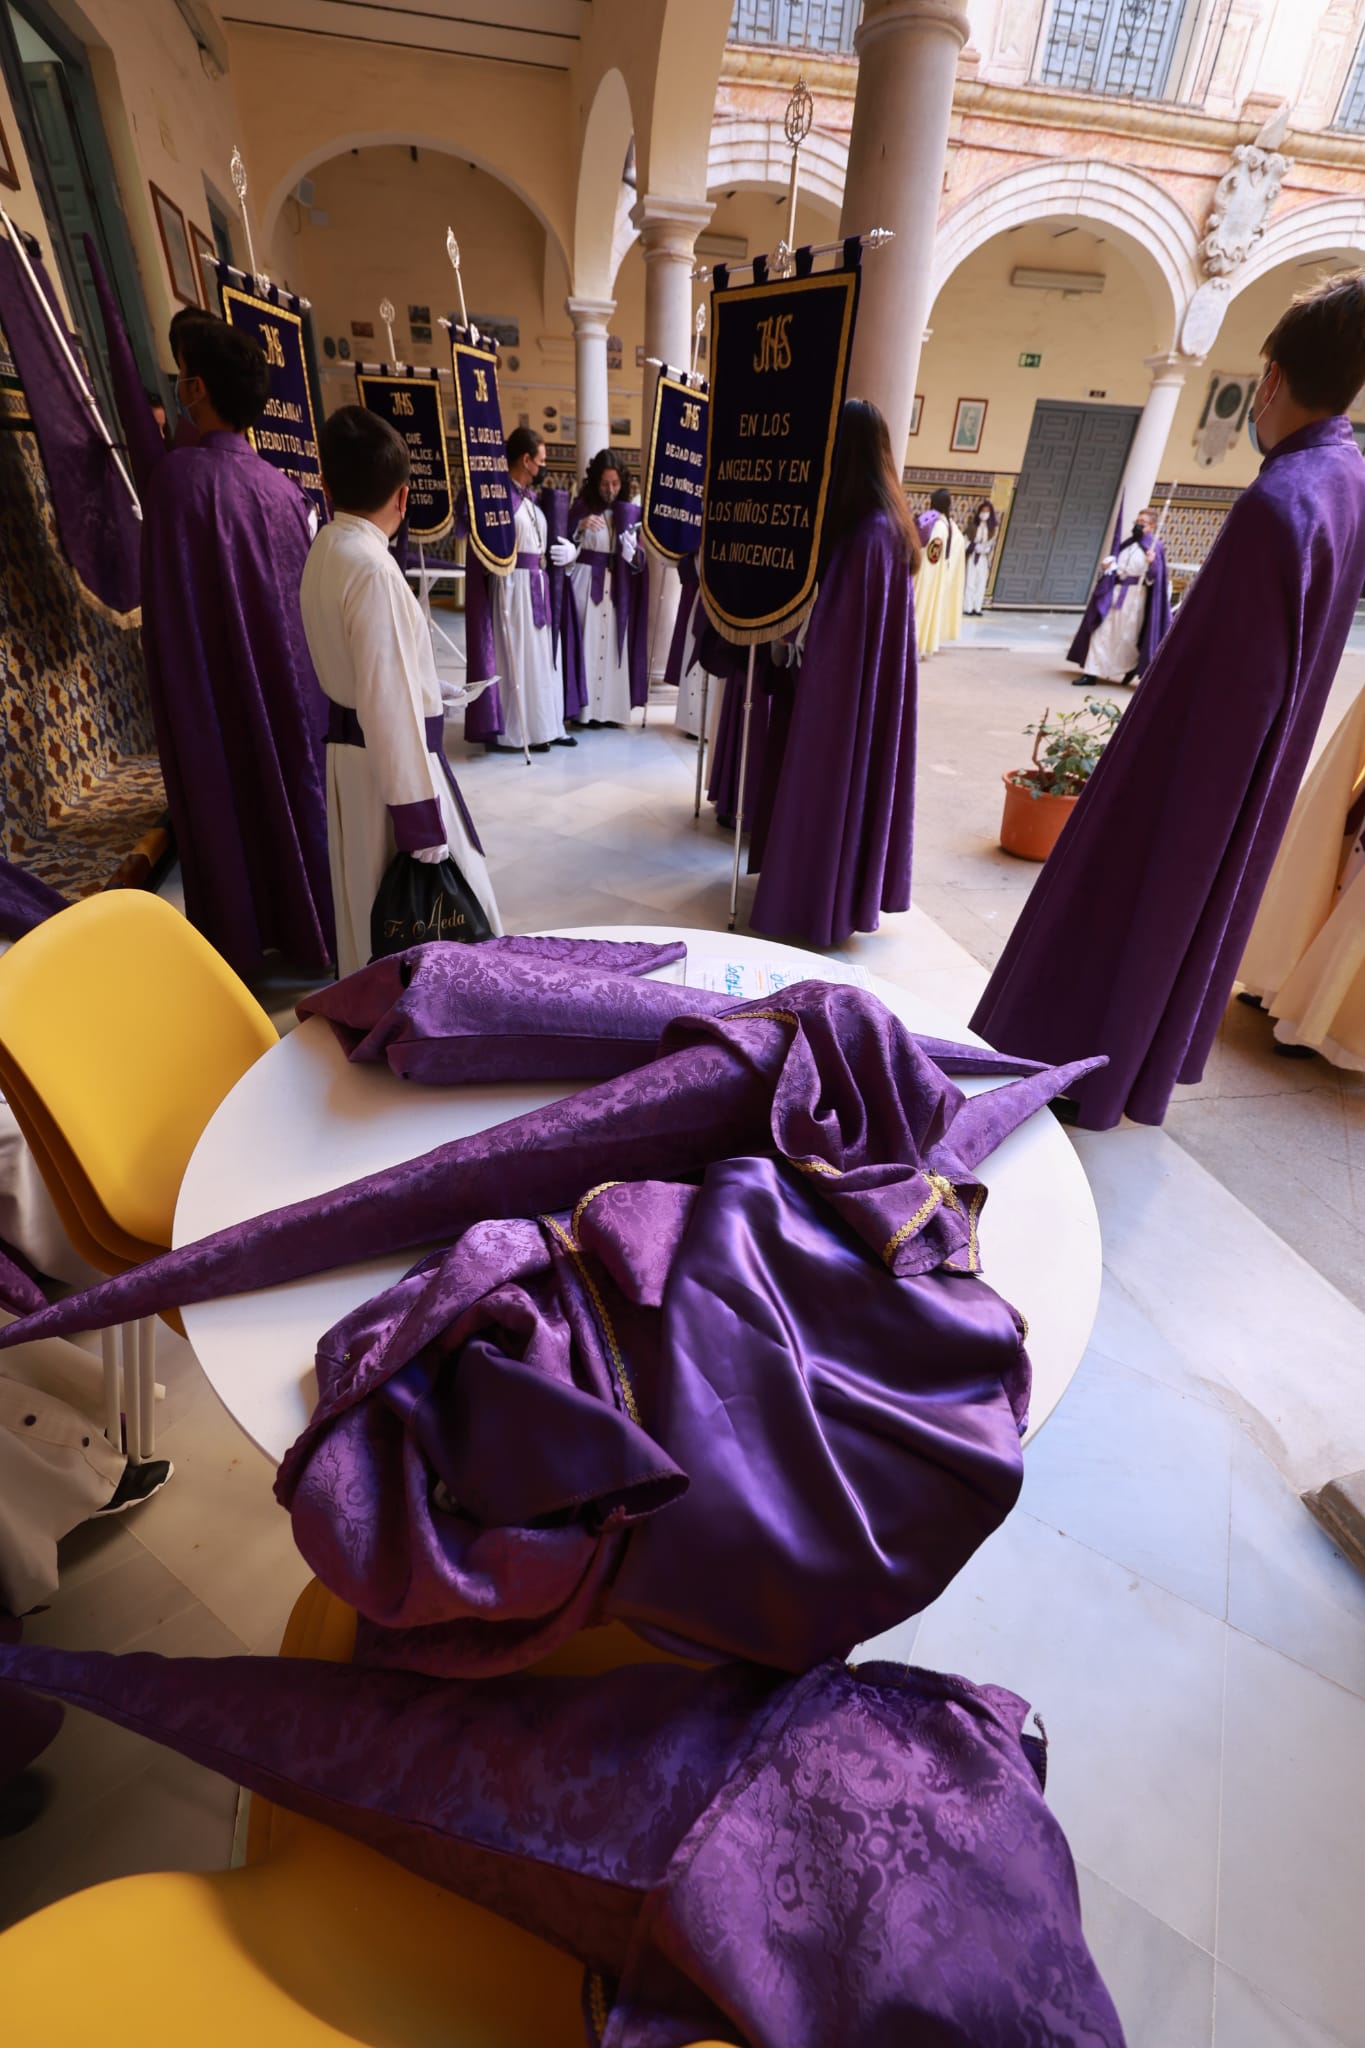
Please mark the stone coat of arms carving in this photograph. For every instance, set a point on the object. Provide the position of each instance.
(1245, 194)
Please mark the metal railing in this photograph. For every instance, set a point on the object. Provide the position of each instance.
(825, 26)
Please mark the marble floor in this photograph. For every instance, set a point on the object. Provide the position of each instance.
(1193, 1642)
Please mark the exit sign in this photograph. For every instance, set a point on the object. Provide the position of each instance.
(1030, 362)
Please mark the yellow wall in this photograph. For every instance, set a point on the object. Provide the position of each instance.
(981, 324)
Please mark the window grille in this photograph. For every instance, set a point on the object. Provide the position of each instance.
(1351, 112)
(823, 25)
(1123, 47)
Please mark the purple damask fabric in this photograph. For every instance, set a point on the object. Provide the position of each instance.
(443, 1020)
(778, 1863)
(24, 901)
(828, 1080)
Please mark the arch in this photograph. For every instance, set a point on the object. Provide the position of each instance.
(602, 194)
(751, 152)
(1325, 227)
(382, 138)
(1130, 205)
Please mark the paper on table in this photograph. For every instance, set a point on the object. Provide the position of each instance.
(747, 980)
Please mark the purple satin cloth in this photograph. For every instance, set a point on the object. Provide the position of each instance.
(429, 1015)
(345, 730)
(532, 566)
(1133, 935)
(24, 901)
(96, 524)
(814, 1862)
(240, 719)
(630, 596)
(836, 829)
(828, 1080)
(719, 1414)
(1110, 593)
(564, 621)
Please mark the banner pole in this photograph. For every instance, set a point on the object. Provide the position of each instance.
(237, 172)
(743, 774)
(701, 742)
(875, 238)
(82, 387)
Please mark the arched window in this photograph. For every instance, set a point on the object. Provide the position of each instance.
(1112, 46)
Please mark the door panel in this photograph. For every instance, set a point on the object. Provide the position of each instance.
(1059, 521)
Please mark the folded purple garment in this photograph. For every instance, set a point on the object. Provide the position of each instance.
(24, 901)
(509, 1009)
(828, 1079)
(714, 1413)
(781, 1863)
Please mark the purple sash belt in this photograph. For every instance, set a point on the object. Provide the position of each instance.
(345, 730)
(1122, 586)
(540, 589)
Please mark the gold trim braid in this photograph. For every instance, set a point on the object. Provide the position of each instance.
(575, 1251)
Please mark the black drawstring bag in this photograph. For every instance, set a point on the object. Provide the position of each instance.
(422, 900)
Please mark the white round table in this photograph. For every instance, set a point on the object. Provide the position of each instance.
(305, 1120)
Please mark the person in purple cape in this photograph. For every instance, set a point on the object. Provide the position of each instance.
(240, 719)
(841, 737)
(1129, 613)
(1131, 940)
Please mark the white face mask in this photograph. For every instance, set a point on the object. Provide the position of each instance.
(1258, 414)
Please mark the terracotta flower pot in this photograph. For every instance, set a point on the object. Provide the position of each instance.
(1031, 824)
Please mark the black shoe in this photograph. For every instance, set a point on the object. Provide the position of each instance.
(1252, 1002)
(23, 1800)
(566, 741)
(499, 747)
(540, 746)
(611, 724)
(139, 1483)
(594, 725)
(1131, 677)
(1084, 683)
(1293, 1052)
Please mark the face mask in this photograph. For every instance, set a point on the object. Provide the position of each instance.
(1255, 416)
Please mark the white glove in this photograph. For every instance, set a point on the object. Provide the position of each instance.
(431, 855)
(562, 552)
(630, 541)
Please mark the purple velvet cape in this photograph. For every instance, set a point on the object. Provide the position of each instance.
(1156, 602)
(630, 599)
(833, 1859)
(143, 441)
(565, 623)
(832, 1077)
(96, 523)
(837, 849)
(687, 604)
(1131, 940)
(240, 719)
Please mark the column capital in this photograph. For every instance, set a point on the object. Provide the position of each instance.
(669, 227)
(886, 18)
(1169, 367)
(589, 316)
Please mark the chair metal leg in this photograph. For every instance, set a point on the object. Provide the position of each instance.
(113, 1406)
(132, 1391)
(146, 1372)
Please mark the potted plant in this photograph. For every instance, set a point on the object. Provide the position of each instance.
(1039, 800)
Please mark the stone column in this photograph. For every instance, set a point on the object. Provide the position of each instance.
(1153, 430)
(668, 240)
(907, 60)
(590, 321)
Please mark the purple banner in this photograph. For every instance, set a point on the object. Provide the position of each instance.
(410, 400)
(286, 434)
(483, 459)
(675, 466)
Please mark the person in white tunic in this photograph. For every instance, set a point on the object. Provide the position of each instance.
(1305, 959)
(531, 691)
(982, 528)
(389, 786)
(940, 540)
(606, 666)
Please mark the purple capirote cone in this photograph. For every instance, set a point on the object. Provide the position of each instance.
(780, 1863)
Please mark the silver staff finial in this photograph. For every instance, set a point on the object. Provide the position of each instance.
(237, 171)
(796, 126)
(453, 252)
(698, 329)
(387, 311)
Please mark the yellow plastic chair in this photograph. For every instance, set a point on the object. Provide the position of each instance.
(316, 1941)
(121, 1030)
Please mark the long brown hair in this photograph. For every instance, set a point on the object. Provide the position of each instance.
(866, 479)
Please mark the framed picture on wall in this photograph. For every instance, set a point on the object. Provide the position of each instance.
(916, 412)
(969, 424)
(204, 249)
(175, 241)
(8, 175)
